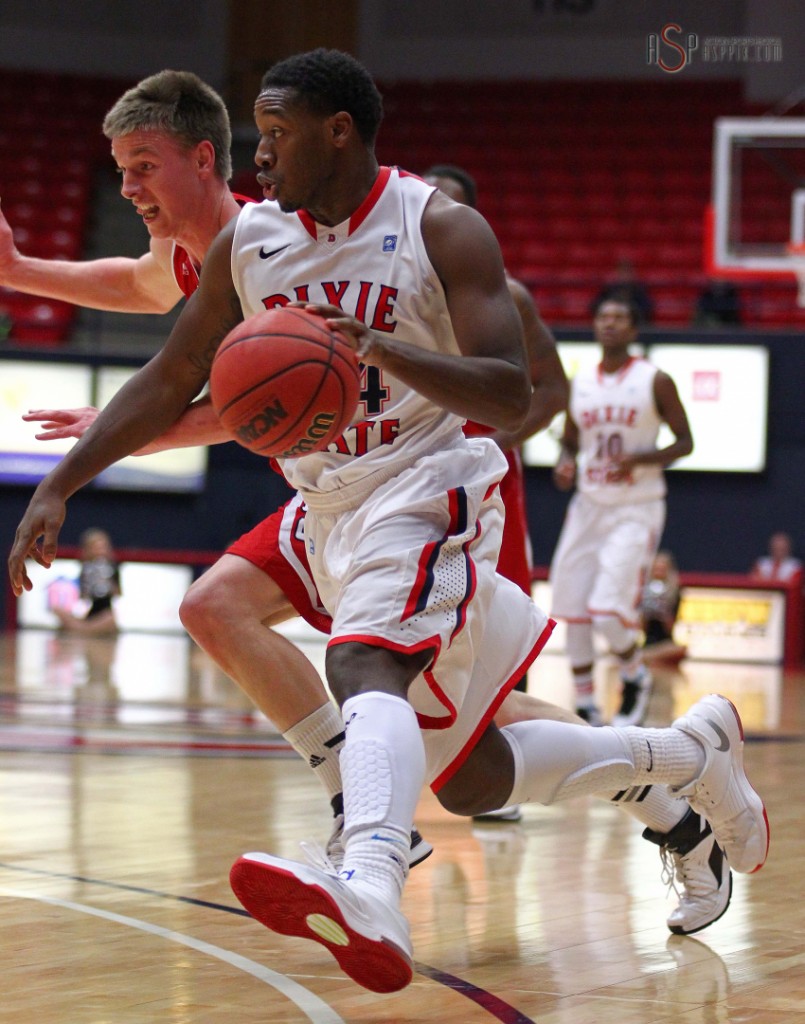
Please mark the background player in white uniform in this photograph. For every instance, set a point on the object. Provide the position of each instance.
(409, 536)
(616, 517)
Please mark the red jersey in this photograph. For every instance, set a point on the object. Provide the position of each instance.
(185, 270)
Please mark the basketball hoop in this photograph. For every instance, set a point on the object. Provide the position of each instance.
(797, 253)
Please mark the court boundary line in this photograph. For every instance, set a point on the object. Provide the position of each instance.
(485, 1000)
(314, 1008)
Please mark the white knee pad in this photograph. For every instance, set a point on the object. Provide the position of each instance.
(618, 637)
(382, 762)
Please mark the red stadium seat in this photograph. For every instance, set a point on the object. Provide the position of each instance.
(583, 175)
(40, 321)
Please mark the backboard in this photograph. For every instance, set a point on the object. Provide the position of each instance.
(758, 198)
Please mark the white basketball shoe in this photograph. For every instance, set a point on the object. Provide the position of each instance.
(722, 792)
(369, 939)
(694, 865)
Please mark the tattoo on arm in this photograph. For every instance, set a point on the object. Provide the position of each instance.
(203, 361)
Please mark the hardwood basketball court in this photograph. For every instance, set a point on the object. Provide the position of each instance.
(132, 774)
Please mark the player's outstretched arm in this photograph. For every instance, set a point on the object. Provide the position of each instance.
(60, 423)
(116, 283)
(143, 409)
(198, 425)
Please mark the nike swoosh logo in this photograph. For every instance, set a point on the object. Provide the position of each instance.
(724, 743)
(267, 255)
(650, 757)
(387, 839)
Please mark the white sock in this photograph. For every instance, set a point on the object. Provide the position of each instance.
(555, 761)
(383, 770)
(666, 756)
(583, 682)
(318, 738)
(651, 805)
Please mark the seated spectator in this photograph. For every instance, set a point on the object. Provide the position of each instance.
(625, 285)
(779, 565)
(659, 607)
(98, 583)
(718, 304)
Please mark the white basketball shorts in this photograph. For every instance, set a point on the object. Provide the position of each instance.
(602, 557)
(413, 568)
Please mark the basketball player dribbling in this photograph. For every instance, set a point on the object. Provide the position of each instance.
(426, 637)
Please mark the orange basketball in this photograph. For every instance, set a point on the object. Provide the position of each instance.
(283, 384)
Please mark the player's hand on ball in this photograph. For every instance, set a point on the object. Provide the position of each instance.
(284, 384)
(364, 342)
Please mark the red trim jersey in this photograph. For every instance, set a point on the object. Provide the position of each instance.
(185, 269)
(616, 414)
(375, 267)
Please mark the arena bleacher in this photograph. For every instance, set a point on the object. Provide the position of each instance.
(50, 147)
(577, 176)
(573, 178)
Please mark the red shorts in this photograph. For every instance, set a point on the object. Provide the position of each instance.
(514, 561)
(277, 547)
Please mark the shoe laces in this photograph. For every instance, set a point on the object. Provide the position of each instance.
(672, 870)
(330, 857)
(316, 856)
(729, 829)
(679, 873)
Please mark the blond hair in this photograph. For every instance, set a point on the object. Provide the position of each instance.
(179, 104)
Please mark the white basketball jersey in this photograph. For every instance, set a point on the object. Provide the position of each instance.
(616, 414)
(374, 267)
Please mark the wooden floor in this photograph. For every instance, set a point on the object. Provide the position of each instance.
(132, 775)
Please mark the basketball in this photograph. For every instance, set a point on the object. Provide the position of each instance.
(283, 384)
